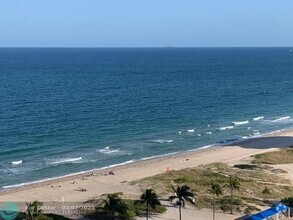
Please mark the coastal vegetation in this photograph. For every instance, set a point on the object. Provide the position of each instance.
(242, 186)
(216, 191)
(34, 212)
(33, 209)
(108, 207)
(182, 194)
(288, 201)
(266, 192)
(238, 188)
(150, 199)
(282, 156)
(113, 206)
(233, 184)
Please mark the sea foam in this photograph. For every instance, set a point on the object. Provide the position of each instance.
(281, 119)
(163, 141)
(108, 150)
(59, 177)
(158, 156)
(18, 162)
(118, 164)
(66, 160)
(258, 118)
(205, 147)
(225, 128)
(236, 123)
(202, 148)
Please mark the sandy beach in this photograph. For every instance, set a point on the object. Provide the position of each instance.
(100, 182)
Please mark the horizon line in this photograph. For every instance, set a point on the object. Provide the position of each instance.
(138, 47)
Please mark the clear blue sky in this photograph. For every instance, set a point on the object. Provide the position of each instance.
(145, 23)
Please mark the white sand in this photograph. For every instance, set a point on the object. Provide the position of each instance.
(101, 184)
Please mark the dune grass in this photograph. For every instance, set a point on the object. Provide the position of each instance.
(199, 179)
(282, 156)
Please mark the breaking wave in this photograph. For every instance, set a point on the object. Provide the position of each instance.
(66, 160)
(108, 150)
(163, 141)
(18, 162)
(258, 118)
(205, 147)
(236, 123)
(281, 119)
(225, 128)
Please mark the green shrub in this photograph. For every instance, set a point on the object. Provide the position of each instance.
(133, 208)
(225, 203)
(246, 166)
(140, 209)
(288, 201)
(250, 209)
(42, 217)
(184, 179)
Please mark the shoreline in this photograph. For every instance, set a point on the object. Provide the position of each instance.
(102, 182)
(203, 149)
(97, 171)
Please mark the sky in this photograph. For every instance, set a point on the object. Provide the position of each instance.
(146, 23)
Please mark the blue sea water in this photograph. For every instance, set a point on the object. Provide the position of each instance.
(64, 111)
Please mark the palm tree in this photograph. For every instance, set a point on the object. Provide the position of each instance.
(216, 190)
(33, 209)
(182, 194)
(114, 206)
(149, 198)
(233, 184)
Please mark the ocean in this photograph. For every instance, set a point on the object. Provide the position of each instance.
(69, 110)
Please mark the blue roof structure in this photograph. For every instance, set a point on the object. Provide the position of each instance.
(254, 218)
(268, 212)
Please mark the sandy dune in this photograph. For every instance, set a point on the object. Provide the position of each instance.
(63, 190)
